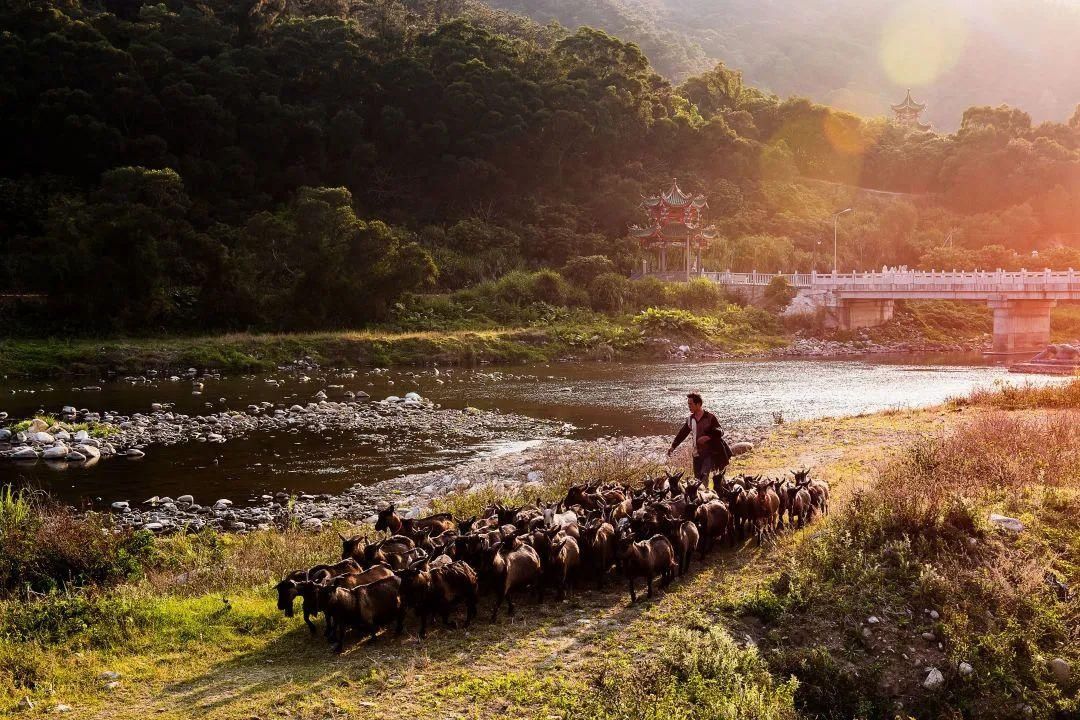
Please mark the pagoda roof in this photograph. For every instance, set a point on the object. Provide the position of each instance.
(675, 197)
(909, 104)
(675, 233)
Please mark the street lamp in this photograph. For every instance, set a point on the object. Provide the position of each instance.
(835, 218)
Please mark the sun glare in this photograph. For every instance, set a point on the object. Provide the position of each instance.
(920, 41)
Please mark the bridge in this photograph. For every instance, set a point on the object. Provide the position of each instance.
(1021, 301)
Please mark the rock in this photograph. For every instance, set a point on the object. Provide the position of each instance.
(361, 395)
(115, 684)
(41, 437)
(81, 436)
(934, 679)
(156, 407)
(75, 456)
(866, 633)
(109, 675)
(928, 636)
(741, 448)
(56, 452)
(153, 527)
(934, 615)
(89, 451)
(62, 435)
(24, 453)
(413, 396)
(186, 500)
(965, 669)
(873, 620)
(312, 523)
(1061, 671)
(462, 484)
(1006, 523)
(61, 708)
(37, 425)
(392, 399)
(320, 395)
(5, 434)
(223, 504)
(121, 505)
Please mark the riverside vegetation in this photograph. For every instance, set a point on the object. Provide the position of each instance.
(586, 311)
(906, 600)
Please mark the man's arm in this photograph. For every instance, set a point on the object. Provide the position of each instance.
(679, 437)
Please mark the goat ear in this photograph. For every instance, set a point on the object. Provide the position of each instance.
(343, 538)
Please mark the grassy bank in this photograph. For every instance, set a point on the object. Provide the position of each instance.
(777, 632)
(589, 335)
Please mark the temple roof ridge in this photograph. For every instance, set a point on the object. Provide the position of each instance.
(909, 103)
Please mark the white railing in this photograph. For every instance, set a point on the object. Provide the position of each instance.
(900, 281)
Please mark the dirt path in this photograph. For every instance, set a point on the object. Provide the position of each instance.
(513, 669)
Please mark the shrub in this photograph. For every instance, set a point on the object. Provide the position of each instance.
(583, 270)
(647, 292)
(779, 293)
(658, 322)
(44, 546)
(550, 287)
(697, 295)
(609, 292)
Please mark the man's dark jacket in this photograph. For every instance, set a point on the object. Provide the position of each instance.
(709, 426)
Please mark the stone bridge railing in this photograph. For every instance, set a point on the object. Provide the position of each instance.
(906, 281)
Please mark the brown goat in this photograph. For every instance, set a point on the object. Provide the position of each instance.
(358, 548)
(430, 590)
(598, 548)
(564, 557)
(712, 520)
(647, 559)
(515, 565)
(287, 592)
(315, 593)
(684, 537)
(365, 607)
(801, 505)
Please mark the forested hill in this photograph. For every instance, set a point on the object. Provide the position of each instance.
(858, 55)
(301, 164)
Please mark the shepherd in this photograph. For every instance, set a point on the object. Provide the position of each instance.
(710, 450)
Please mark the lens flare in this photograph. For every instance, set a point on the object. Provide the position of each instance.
(921, 41)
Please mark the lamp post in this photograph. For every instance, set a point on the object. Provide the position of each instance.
(835, 218)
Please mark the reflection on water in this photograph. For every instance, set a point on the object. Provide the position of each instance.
(597, 399)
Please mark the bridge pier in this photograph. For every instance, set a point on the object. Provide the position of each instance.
(846, 314)
(1021, 326)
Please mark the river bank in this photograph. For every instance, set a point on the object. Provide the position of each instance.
(606, 341)
(843, 606)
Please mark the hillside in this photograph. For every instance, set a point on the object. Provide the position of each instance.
(274, 166)
(857, 56)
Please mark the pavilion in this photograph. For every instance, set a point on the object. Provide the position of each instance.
(675, 220)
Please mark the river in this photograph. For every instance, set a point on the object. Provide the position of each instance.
(579, 401)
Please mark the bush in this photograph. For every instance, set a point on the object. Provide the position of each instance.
(662, 323)
(778, 294)
(648, 292)
(583, 270)
(550, 287)
(608, 292)
(697, 295)
(44, 546)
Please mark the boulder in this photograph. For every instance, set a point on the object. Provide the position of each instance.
(41, 437)
(186, 500)
(223, 504)
(415, 396)
(965, 669)
(5, 434)
(24, 453)
(134, 453)
(934, 679)
(81, 436)
(62, 435)
(1060, 669)
(55, 452)
(121, 505)
(741, 448)
(37, 425)
(75, 456)
(312, 523)
(1006, 523)
(89, 451)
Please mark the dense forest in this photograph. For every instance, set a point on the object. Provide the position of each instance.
(857, 55)
(283, 164)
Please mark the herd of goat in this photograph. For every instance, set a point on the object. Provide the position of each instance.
(431, 564)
